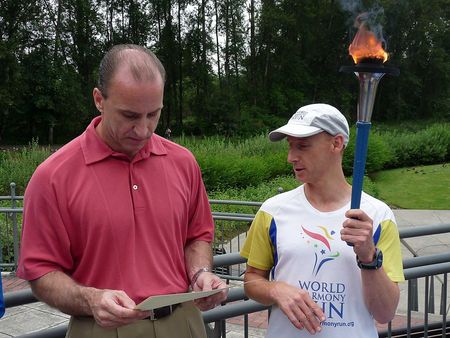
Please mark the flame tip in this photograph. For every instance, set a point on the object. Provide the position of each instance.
(366, 45)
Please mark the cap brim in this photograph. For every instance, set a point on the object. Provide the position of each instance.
(294, 131)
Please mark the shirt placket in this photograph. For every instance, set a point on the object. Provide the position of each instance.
(136, 187)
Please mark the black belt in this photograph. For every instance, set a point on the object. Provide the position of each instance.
(162, 312)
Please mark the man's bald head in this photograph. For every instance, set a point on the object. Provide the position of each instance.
(142, 64)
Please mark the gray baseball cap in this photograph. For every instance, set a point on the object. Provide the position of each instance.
(311, 120)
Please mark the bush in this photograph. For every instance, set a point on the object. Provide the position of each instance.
(427, 146)
(379, 153)
(238, 163)
(18, 165)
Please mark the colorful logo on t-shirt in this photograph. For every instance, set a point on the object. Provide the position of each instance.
(321, 242)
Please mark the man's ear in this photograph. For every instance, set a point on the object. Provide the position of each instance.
(338, 142)
(98, 99)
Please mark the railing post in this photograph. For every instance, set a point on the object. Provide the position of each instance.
(15, 227)
(426, 310)
(444, 306)
(431, 297)
(217, 332)
(414, 295)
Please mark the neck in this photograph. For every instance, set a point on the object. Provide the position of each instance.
(329, 194)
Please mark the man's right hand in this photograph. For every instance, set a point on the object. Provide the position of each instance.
(298, 306)
(112, 308)
(295, 302)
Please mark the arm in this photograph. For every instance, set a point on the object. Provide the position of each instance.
(381, 295)
(295, 303)
(198, 255)
(110, 308)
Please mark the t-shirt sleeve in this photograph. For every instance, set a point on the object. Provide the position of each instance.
(45, 244)
(258, 247)
(201, 224)
(389, 244)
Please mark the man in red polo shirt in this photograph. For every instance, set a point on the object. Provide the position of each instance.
(120, 214)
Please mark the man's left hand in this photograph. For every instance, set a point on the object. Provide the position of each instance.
(208, 281)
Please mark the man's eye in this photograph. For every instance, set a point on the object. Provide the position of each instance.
(152, 115)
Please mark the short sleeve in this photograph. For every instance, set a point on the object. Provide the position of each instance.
(258, 247)
(201, 224)
(389, 244)
(45, 244)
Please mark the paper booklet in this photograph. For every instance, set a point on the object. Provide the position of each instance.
(154, 302)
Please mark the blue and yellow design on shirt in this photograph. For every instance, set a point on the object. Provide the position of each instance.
(302, 246)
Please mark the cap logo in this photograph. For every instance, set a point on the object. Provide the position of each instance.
(299, 115)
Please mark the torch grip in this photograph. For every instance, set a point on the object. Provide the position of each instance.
(359, 164)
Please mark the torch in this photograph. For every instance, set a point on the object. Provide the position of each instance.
(368, 54)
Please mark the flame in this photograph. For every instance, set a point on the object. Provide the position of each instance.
(366, 45)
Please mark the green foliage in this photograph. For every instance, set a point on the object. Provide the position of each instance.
(18, 166)
(379, 153)
(238, 163)
(258, 193)
(228, 73)
(7, 223)
(427, 146)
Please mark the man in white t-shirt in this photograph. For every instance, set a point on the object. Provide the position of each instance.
(298, 258)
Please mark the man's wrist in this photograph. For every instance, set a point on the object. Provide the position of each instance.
(374, 264)
(197, 274)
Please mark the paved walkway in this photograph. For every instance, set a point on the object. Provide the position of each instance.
(34, 317)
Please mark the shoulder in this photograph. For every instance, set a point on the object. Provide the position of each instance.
(63, 162)
(273, 204)
(174, 149)
(375, 204)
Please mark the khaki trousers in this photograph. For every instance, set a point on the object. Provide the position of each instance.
(185, 322)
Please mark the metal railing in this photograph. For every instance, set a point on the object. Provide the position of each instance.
(421, 272)
(424, 268)
(9, 226)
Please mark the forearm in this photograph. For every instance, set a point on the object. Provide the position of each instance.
(62, 292)
(259, 288)
(381, 295)
(198, 255)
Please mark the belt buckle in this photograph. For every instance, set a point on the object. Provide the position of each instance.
(152, 315)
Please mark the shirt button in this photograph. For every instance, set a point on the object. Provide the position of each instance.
(135, 187)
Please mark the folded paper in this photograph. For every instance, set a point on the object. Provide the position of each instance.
(154, 302)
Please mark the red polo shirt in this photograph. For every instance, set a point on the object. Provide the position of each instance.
(112, 223)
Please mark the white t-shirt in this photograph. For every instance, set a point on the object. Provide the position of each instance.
(302, 246)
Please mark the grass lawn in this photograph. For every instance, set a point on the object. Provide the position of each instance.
(421, 187)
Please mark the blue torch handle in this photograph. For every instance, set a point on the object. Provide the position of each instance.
(359, 164)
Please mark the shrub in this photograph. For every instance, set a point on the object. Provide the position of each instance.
(379, 153)
(238, 163)
(18, 166)
(427, 146)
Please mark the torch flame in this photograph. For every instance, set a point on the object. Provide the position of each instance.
(366, 45)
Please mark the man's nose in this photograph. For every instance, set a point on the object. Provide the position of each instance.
(291, 158)
(141, 129)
